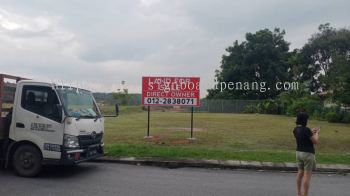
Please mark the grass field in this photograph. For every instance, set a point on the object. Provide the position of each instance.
(219, 136)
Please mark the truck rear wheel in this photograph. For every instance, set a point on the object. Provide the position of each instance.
(27, 161)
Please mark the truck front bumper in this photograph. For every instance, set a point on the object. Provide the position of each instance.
(75, 156)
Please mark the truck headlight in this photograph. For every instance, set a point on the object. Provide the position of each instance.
(71, 141)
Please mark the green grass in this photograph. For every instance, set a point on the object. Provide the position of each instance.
(253, 137)
(144, 150)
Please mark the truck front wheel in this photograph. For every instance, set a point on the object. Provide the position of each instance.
(27, 161)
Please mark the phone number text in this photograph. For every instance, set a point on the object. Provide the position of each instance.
(169, 101)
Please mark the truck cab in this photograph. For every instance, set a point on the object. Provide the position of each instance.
(49, 124)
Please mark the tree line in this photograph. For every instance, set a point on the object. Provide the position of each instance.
(321, 66)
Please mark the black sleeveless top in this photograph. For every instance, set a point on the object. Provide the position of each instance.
(303, 139)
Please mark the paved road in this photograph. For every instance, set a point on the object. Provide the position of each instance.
(117, 179)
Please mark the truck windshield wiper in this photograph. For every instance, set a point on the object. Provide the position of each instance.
(97, 117)
(85, 116)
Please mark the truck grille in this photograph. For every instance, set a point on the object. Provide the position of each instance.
(88, 140)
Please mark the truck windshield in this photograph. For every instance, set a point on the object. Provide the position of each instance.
(78, 103)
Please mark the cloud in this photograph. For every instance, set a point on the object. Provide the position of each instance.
(102, 43)
(18, 26)
(12, 22)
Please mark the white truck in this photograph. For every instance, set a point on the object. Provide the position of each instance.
(42, 123)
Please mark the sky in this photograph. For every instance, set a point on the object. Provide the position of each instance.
(97, 44)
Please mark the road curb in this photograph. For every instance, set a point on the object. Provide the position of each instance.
(228, 164)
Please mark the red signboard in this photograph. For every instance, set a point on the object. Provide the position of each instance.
(170, 91)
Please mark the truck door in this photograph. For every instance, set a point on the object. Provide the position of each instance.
(39, 119)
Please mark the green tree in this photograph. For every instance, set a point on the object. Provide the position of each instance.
(263, 57)
(300, 70)
(338, 79)
(319, 53)
(122, 96)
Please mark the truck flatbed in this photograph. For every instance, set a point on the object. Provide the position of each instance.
(7, 96)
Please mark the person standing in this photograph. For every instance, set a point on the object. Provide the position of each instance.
(305, 152)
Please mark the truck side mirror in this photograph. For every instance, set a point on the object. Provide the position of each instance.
(116, 107)
(116, 110)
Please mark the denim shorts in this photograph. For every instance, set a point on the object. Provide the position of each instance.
(306, 161)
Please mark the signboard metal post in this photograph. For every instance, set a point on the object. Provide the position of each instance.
(148, 122)
(191, 138)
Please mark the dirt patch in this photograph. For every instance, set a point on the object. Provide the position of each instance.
(186, 129)
(180, 142)
(155, 138)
